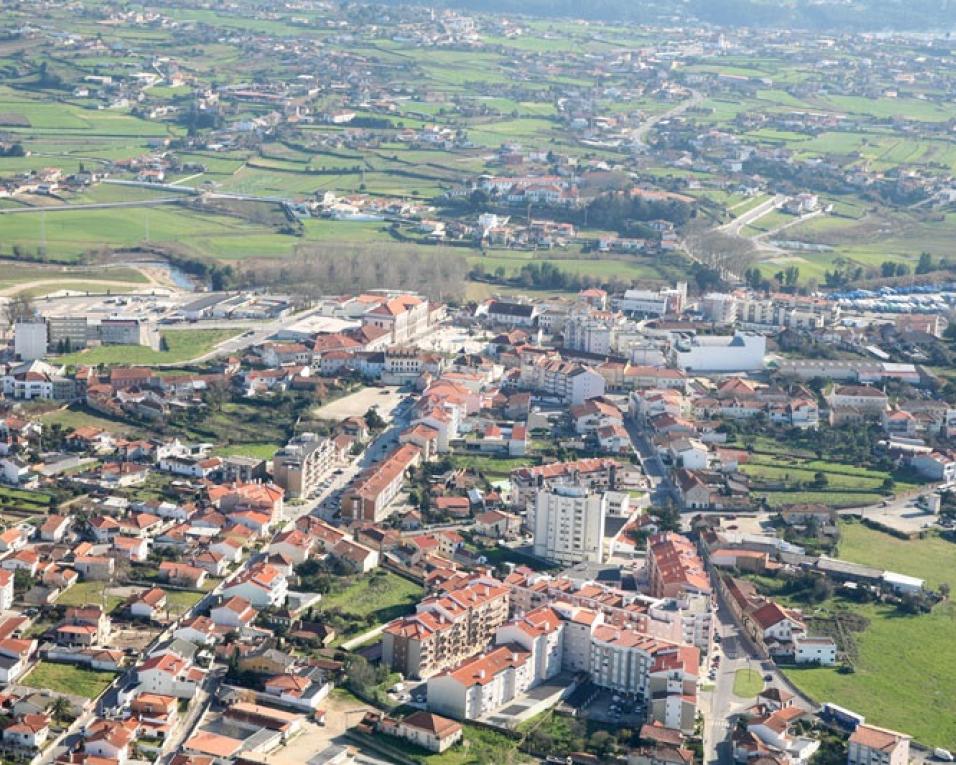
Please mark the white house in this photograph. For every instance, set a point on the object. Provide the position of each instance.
(815, 650)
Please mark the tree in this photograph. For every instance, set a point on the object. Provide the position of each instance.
(61, 708)
(374, 420)
(925, 264)
(19, 308)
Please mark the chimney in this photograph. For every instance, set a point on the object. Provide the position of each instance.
(481, 674)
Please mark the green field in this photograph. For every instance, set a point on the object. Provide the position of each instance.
(747, 683)
(68, 678)
(932, 559)
(182, 346)
(262, 451)
(907, 664)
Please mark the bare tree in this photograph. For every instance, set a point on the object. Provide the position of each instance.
(19, 308)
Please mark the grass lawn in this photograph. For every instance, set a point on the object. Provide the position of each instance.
(73, 418)
(386, 597)
(67, 678)
(747, 683)
(182, 345)
(89, 592)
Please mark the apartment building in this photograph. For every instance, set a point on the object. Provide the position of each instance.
(446, 629)
(301, 465)
(481, 685)
(568, 524)
(373, 491)
(553, 376)
(558, 637)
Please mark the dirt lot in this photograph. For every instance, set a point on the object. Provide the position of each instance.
(357, 404)
(137, 639)
(342, 712)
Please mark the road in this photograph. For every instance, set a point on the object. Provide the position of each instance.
(91, 206)
(662, 487)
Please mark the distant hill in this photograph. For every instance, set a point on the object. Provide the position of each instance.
(824, 15)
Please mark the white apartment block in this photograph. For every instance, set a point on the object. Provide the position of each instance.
(569, 524)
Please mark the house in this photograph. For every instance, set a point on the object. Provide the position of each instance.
(429, 731)
(149, 604)
(170, 675)
(27, 731)
(262, 585)
(15, 656)
(135, 549)
(110, 739)
(498, 524)
(13, 540)
(182, 574)
(6, 589)
(54, 528)
(83, 626)
(870, 745)
(235, 612)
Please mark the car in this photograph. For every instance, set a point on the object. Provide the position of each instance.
(768, 678)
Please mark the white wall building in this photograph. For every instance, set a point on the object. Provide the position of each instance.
(721, 353)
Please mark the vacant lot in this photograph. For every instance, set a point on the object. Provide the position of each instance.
(67, 678)
(89, 593)
(932, 559)
(382, 597)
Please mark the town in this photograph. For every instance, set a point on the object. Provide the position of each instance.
(395, 384)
